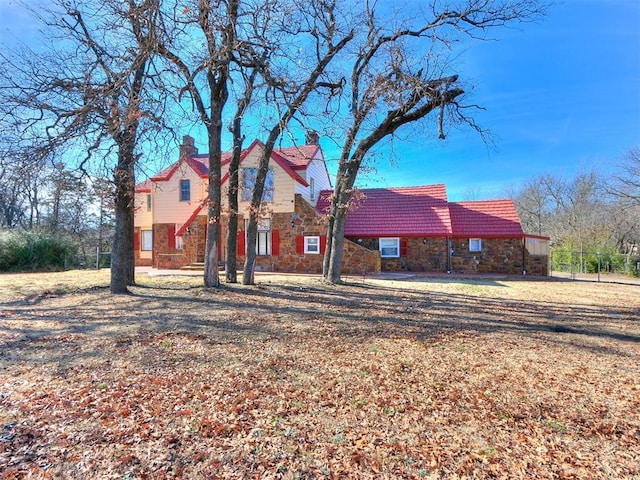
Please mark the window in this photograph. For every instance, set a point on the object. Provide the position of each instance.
(248, 181)
(312, 189)
(147, 240)
(263, 238)
(311, 244)
(148, 202)
(475, 245)
(179, 243)
(185, 190)
(389, 247)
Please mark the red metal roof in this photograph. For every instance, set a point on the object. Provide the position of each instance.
(389, 212)
(425, 211)
(488, 218)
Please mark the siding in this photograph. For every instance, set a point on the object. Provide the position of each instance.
(142, 218)
(167, 207)
(283, 185)
(318, 171)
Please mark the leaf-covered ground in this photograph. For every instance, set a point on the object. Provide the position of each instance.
(416, 378)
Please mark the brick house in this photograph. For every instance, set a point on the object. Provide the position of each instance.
(391, 229)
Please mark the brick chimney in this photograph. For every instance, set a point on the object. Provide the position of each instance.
(311, 137)
(188, 146)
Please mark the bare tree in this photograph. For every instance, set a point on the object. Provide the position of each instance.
(625, 185)
(87, 92)
(316, 26)
(242, 103)
(216, 23)
(534, 206)
(388, 89)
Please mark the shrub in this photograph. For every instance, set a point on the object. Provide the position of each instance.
(33, 251)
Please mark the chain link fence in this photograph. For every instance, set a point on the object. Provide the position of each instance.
(596, 266)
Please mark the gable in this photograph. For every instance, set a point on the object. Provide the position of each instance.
(195, 163)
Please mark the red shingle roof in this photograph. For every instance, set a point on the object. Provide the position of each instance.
(144, 187)
(290, 159)
(298, 158)
(388, 212)
(489, 218)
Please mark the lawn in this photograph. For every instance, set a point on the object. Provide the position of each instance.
(293, 379)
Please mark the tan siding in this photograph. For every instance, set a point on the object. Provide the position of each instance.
(167, 207)
(142, 218)
(283, 185)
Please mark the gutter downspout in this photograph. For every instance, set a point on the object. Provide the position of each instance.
(524, 255)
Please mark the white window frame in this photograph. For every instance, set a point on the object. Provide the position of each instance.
(475, 244)
(146, 240)
(179, 242)
(384, 253)
(263, 237)
(312, 245)
(312, 188)
(148, 202)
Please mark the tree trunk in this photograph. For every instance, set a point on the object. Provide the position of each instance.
(337, 242)
(211, 273)
(250, 256)
(231, 263)
(232, 200)
(122, 255)
(346, 177)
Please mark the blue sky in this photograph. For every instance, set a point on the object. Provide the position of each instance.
(562, 96)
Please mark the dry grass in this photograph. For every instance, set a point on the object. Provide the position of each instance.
(416, 378)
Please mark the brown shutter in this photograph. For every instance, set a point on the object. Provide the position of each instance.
(323, 243)
(299, 244)
(240, 243)
(403, 247)
(136, 241)
(171, 235)
(275, 243)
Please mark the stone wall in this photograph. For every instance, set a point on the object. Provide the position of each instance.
(194, 240)
(498, 255)
(423, 254)
(537, 265)
(305, 221)
(164, 256)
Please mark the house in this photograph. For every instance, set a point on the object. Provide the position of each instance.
(390, 229)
